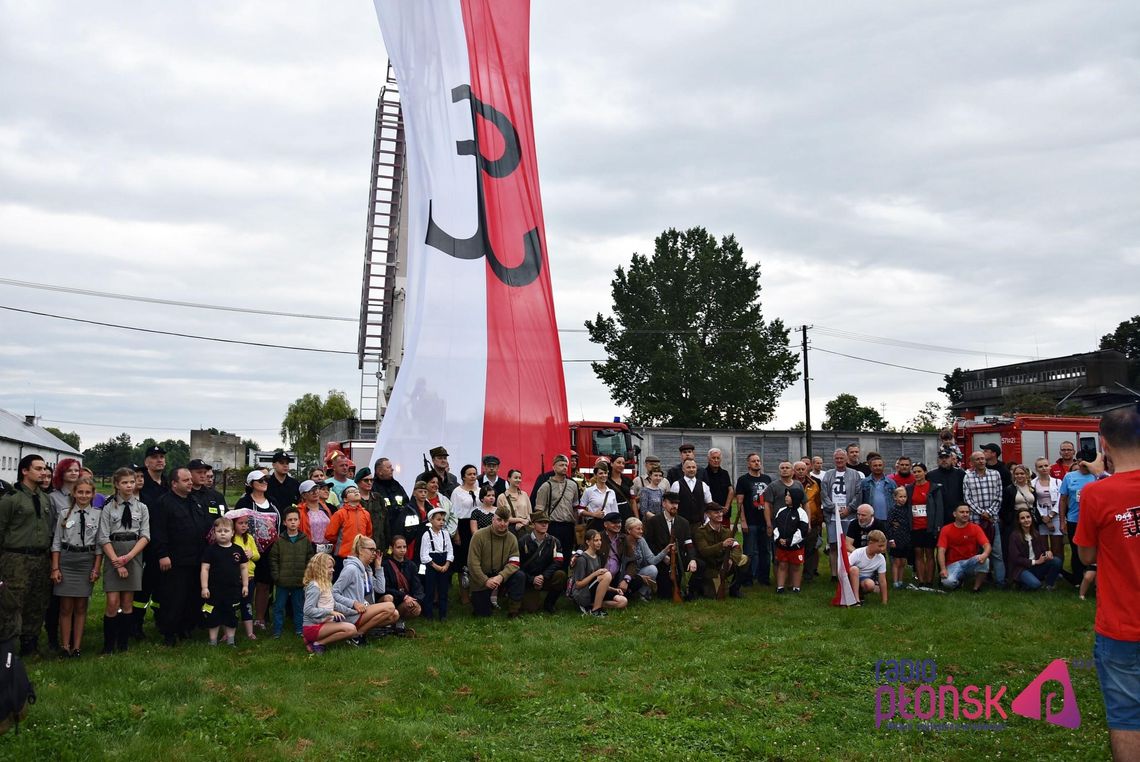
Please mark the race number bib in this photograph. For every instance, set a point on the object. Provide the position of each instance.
(919, 511)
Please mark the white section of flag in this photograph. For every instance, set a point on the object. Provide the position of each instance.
(440, 393)
(844, 593)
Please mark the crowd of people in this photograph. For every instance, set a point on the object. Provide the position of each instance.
(348, 552)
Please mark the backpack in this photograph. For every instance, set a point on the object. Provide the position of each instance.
(16, 692)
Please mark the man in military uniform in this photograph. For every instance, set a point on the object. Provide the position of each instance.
(440, 467)
(716, 545)
(25, 564)
(208, 499)
(558, 499)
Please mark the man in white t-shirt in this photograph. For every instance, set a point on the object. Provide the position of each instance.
(869, 567)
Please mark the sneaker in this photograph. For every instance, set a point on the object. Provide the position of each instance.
(585, 611)
(796, 590)
(599, 612)
(316, 649)
(357, 641)
(212, 643)
(779, 591)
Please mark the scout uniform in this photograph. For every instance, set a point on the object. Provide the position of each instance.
(122, 523)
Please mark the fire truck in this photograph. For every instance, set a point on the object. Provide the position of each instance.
(1025, 438)
(589, 439)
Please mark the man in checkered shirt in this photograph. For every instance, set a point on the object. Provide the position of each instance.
(981, 489)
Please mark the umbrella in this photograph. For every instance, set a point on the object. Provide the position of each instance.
(263, 526)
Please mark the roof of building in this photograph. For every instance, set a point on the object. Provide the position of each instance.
(13, 427)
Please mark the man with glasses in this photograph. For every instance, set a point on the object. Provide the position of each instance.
(1064, 463)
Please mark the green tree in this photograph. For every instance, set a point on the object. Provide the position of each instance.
(687, 344)
(70, 437)
(1126, 339)
(105, 457)
(307, 416)
(930, 419)
(954, 388)
(844, 413)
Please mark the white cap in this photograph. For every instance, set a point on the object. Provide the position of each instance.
(307, 485)
(254, 476)
(434, 511)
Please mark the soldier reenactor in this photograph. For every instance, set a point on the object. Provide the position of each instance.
(25, 564)
(716, 546)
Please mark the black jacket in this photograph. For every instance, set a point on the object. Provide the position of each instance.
(657, 535)
(178, 530)
(413, 587)
(539, 560)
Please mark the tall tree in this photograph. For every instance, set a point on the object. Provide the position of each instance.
(1126, 338)
(71, 437)
(954, 385)
(105, 457)
(844, 413)
(930, 419)
(687, 343)
(307, 416)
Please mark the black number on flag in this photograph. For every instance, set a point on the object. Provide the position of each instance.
(478, 244)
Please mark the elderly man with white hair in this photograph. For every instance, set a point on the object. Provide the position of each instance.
(840, 487)
(718, 480)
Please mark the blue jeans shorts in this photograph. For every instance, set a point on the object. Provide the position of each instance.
(1118, 669)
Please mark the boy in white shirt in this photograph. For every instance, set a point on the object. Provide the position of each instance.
(869, 567)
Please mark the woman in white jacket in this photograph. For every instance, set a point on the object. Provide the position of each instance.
(1048, 492)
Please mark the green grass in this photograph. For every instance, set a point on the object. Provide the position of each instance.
(766, 677)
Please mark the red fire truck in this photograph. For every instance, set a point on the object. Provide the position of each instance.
(1024, 438)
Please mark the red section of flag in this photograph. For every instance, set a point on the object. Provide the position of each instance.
(525, 420)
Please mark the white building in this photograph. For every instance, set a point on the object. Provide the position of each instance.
(20, 437)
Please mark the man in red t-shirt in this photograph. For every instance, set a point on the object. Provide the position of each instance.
(1108, 535)
(958, 551)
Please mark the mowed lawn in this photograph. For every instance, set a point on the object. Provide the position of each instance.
(766, 677)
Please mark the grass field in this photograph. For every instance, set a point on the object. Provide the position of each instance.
(765, 677)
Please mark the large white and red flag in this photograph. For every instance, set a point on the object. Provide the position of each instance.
(844, 593)
(482, 366)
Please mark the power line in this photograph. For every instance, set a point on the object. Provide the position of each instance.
(173, 302)
(918, 345)
(179, 335)
(876, 362)
(147, 428)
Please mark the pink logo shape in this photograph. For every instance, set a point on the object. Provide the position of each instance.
(1029, 702)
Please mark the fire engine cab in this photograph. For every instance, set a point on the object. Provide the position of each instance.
(1025, 438)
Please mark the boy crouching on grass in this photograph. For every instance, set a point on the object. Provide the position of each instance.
(869, 567)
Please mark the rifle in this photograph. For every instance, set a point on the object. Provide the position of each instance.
(674, 572)
(726, 565)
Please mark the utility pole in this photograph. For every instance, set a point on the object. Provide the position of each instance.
(807, 393)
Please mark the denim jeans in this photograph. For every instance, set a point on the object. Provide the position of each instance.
(758, 548)
(1032, 578)
(959, 570)
(297, 596)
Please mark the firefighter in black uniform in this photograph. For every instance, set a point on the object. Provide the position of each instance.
(155, 485)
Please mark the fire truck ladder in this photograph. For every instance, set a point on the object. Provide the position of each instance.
(381, 252)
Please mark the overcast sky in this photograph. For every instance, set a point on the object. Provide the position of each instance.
(961, 173)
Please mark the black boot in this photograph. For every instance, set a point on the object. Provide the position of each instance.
(110, 627)
(123, 627)
(136, 617)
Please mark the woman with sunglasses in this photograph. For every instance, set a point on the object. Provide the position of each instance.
(256, 499)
